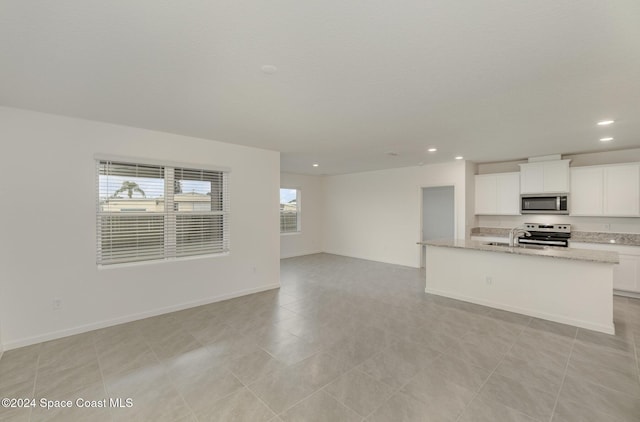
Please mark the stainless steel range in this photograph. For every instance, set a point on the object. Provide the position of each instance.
(547, 234)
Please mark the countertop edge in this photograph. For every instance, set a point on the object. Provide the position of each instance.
(575, 254)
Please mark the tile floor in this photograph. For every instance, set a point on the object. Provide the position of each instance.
(342, 340)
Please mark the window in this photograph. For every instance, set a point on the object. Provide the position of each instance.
(289, 210)
(156, 212)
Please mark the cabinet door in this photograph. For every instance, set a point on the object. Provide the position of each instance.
(622, 190)
(486, 198)
(508, 193)
(531, 178)
(625, 274)
(586, 191)
(556, 176)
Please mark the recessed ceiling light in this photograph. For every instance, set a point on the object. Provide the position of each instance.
(432, 149)
(315, 164)
(605, 122)
(269, 68)
(606, 139)
(459, 157)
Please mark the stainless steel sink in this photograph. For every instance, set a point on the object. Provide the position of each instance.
(497, 244)
(523, 246)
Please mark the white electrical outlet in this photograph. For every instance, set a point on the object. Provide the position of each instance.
(57, 304)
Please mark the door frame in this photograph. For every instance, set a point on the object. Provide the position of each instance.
(422, 248)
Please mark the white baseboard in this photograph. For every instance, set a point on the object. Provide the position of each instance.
(373, 260)
(14, 344)
(299, 254)
(608, 329)
(626, 294)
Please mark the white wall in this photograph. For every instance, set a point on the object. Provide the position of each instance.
(376, 215)
(309, 239)
(48, 227)
(1, 343)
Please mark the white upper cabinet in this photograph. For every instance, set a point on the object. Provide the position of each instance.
(587, 191)
(612, 190)
(498, 194)
(622, 190)
(486, 194)
(545, 177)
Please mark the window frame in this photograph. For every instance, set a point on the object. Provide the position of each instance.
(298, 212)
(170, 230)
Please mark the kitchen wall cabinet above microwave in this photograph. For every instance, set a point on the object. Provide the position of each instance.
(498, 194)
(545, 177)
(610, 190)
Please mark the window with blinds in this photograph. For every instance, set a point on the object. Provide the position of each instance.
(289, 210)
(153, 212)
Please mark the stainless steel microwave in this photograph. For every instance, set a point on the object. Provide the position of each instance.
(544, 203)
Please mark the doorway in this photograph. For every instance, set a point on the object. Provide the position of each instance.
(438, 215)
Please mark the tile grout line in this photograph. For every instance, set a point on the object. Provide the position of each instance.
(104, 382)
(175, 387)
(564, 375)
(253, 393)
(439, 356)
(35, 380)
(635, 350)
(398, 390)
(349, 407)
(244, 386)
(319, 389)
(477, 393)
(296, 403)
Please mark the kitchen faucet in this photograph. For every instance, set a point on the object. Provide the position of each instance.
(514, 233)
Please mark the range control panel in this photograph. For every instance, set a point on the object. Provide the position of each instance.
(555, 228)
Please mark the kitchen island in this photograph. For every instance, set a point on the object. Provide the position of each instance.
(570, 286)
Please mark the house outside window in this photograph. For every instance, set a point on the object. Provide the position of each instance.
(150, 212)
(289, 210)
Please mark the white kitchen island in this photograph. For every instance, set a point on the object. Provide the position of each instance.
(570, 286)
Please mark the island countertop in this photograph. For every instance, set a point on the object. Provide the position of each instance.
(588, 255)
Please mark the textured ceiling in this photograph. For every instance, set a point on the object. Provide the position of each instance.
(489, 80)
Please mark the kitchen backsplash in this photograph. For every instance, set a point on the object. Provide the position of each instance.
(586, 224)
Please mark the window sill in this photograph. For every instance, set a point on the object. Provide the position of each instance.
(290, 233)
(161, 261)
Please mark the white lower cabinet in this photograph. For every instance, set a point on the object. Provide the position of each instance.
(626, 275)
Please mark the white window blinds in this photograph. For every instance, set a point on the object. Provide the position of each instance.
(151, 212)
(289, 210)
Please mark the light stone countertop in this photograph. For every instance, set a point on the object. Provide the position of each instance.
(550, 252)
(625, 239)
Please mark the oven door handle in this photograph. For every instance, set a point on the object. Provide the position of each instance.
(542, 242)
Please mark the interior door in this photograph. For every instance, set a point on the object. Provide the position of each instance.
(438, 214)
